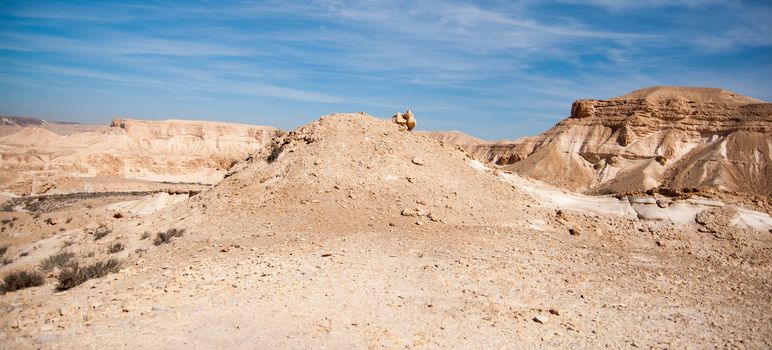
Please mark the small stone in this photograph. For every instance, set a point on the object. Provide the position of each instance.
(555, 312)
(52, 221)
(541, 319)
(574, 231)
(409, 212)
(118, 215)
(418, 161)
(325, 255)
(659, 243)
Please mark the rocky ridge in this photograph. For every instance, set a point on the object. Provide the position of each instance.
(669, 137)
(129, 154)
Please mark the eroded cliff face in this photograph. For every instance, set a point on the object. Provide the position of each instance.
(125, 156)
(677, 137)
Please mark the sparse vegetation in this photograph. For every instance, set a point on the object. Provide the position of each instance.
(101, 232)
(21, 279)
(3, 249)
(6, 261)
(166, 237)
(116, 247)
(57, 260)
(145, 235)
(75, 274)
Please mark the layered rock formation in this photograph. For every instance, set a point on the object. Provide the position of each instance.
(673, 137)
(36, 161)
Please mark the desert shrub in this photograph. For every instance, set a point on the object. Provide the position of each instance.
(5, 261)
(57, 260)
(145, 235)
(75, 274)
(101, 232)
(3, 249)
(115, 247)
(166, 237)
(21, 279)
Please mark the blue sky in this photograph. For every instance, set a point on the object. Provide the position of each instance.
(494, 69)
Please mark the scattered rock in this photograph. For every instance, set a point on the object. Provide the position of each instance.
(418, 161)
(574, 231)
(405, 121)
(52, 221)
(541, 319)
(555, 312)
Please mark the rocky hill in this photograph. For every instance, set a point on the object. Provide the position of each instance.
(125, 156)
(356, 169)
(660, 137)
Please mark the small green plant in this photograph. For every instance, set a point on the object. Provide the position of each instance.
(57, 260)
(115, 247)
(101, 232)
(166, 237)
(74, 274)
(21, 279)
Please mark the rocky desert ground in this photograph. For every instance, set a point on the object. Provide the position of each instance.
(638, 222)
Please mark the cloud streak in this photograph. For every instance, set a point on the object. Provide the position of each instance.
(496, 60)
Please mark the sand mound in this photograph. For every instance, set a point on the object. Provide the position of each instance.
(354, 171)
(659, 94)
(30, 136)
(670, 137)
(454, 137)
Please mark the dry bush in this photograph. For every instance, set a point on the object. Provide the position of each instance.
(57, 260)
(101, 232)
(21, 279)
(115, 247)
(166, 237)
(75, 274)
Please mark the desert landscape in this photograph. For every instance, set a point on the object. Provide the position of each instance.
(641, 221)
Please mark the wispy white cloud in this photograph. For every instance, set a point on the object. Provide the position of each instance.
(447, 58)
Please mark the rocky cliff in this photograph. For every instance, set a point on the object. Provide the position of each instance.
(674, 137)
(38, 161)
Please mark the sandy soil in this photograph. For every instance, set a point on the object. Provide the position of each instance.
(349, 233)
